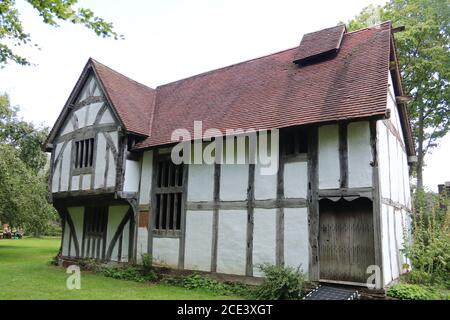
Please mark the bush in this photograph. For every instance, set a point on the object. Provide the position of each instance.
(281, 283)
(197, 281)
(429, 250)
(53, 230)
(88, 264)
(131, 273)
(404, 291)
(147, 263)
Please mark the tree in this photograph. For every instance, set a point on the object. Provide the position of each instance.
(25, 137)
(424, 58)
(23, 182)
(51, 11)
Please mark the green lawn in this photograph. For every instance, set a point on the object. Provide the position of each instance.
(25, 273)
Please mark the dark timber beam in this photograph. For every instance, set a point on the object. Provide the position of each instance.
(279, 248)
(313, 199)
(376, 197)
(250, 219)
(343, 154)
(215, 230)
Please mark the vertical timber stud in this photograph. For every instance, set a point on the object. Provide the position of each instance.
(313, 210)
(250, 218)
(63, 229)
(376, 198)
(83, 241)
(279, 248)
(183, 216)
(343, 155)
(215, 226)
(153, 207)
(50, 176)
(134, 224)
(121, 161)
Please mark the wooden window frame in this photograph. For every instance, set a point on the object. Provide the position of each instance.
(87, 160)
(96, 221)
(168, 190)
(297, 138)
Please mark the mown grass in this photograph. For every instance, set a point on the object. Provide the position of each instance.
(25, 273)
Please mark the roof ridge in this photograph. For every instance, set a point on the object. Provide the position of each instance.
(225, 67)
(375, 26)
(120, 74)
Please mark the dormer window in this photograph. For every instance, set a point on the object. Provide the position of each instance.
(320, 45)
(84, 154)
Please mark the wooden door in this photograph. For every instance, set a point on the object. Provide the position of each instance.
(346, 241)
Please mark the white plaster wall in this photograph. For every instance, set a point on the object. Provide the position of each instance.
(114, 137)
(383, 160)
(77, 215)
(233, 182)
(265, 185)
(398, 221)
(65, 242)
(100, 163)
(111, 178)
(395, 188)
(166, 251)
(200, 182)
(198, 244)
(86, 182)
(296, 238)
(81, 115)
(92, 111)
(146, 177)
(392, 105)
(392, 244)
(55, 178)
(87, 88)
(232, 240)
(132, 174)
(68, 126)
(115, 216)
(142, 243)
(125, 241)
(329, 172)
(66, 167)
(296, 179)
(359, 155)
(75, 183)
(107, 117)
(386, 256)
(264, 238)
(57, 150)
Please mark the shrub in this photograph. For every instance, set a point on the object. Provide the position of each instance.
(53, 230)
(404, 291)
(88, 264)
(131, 273)
(281, 283)
(147, 268)
(429, 250)
(198, 281)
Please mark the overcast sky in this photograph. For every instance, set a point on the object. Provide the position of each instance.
(168, 40)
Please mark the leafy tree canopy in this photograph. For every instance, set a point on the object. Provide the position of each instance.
(24, 136)
(23, 182)
(52, 12)
(424, 58)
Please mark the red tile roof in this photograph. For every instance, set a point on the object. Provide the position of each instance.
(132, 100)
(264, 93)
(273, 92)
(319, 43)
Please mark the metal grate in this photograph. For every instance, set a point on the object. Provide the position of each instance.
(332, 293)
